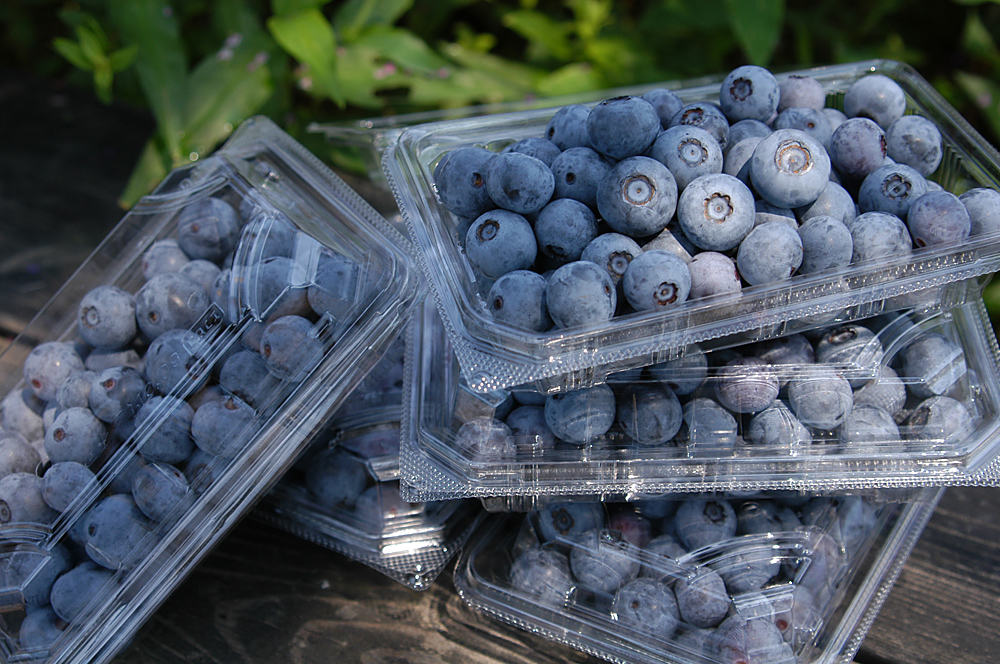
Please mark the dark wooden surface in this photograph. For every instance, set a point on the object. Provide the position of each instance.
(264, 596)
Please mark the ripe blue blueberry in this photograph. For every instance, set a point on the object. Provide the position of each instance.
(114, 391)
(766, 212)
(543, 573)
(798, 91)
(938, 420)
(500, 241)
(770, 252)
(63, 481)
(835, 201)
(826, 244)
(637, 197)
(34, 571)
(656, 280)
(581, 416)
(115, 528)
(334, 288)
(938, 218)
(280, 287)
(713, 273)
(48, 365)
(527, 425)
(809, 120)
(460, 179)
(820, 397)
(245, 374)
(983, 206)
(612, 251)
(777, 427)
(716, 211)
(603, 560)
(711, 429)
(666, 102)
(169, 441)
(742, 130)
(221, 427)
(702, 600)
(519, 182)
(21, 412)
(877, 97)
(106, 318)
(75, 435)
(540, 148)
(335, 478)
(746, 385)
(202, 272)
(932, 365)
(706, 115)
(208, 229)
(892, 188)
(163, 256)
(647, 605)
(885, 391)
(567, 521)
(879, 235)
(751, 640)
(852, 346)
(688, 152)
(748, 568)
(790, 168)
(518, 298)
(564, 228)
(736, 161)
(749, 92)
(40, 629)
(857, 147)
(704, 521)
(580, 293)
(648, 414)
(684, 374)
(664, 549)
(568, 127)
(622, 127)
(17, 455)
(577, 172)
(485, 438)
(21, 500)
(74, 590)
(290, 348)
(161, 491)
(915, 141)
(869, 430)
(169, 301)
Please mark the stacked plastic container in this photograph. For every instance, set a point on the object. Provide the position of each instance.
(174, 378)
(790, 443)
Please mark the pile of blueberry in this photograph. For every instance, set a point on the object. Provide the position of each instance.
(128, 415)
(642, 203)
(753, 579)
(791, 395)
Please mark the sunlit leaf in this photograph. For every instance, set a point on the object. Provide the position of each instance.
(356, 15)
(542, 32)
(591, 16)
(309, 38)
(573, 78)
(514, 73)
(757, 24)
(72, 52)
(90, 45)
(123, 57)
(402, 47)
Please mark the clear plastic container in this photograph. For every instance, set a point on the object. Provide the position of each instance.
(343, 493)
(143, 465)
(707, 580)
(909, 399)
(494, 355)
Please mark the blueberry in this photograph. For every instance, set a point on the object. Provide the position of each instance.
(885, 391)
(706, 115)
(74, 590)
(335, 479)
(122, 481)
(208, 229)
(581, 416)
(21, 412)
(932, 365)
(63, 481)
(48, 365)
(568, 521)
(793, 349)
(702, 600)
(716, 211)
(870, 430)
(824, 563)
(290, 348)
(637, 197)
(757, 517)
(485, 439)
(648, 415)
(460, 179)
(688, 152)
(826, 244)
(540, 148)
(857, 519)
(744, 129)
(798, 91)
(21, 500)
(115, 528)
(879, 235)
(746, 385)
(713, 273)
(835, 116)
(169, 360)
(500, 241)
(770, 252)
(527, 425)
(704, 521)
(161, 257)
(672, 239)
(33, 571)
(634, 527)
(983, 206)
(76, 435)
(809, 120)
(281, 288)
(580, 293)
(666, 102)
(169, 301)
(877, 97)
(682, 375)
(777, 427)
(201, 470)
(169, 441)
(106, 318)
(751, 640)
(938, 218)
(748, 567)
(749, 92)
(334, 289)
(766, 212)
(647, 605)
(603, 560)
(790, 168)
(519, 183)
(202, 272)
(711, 429)
(850, 345)
(221, 428)
(161, 491)
(99, 360)
(543, 573)
(892, 188)
(737, 159)
(940, 421)
(564, 228)
(857, 147)
(915, 141)
(245, 374)
(40, 629)
(17, 455)
(577, 172)
(622, 127)
(656, 280)
(664, 552)
(612, 251)
(568, 127)
(820, 397)
(834, 202)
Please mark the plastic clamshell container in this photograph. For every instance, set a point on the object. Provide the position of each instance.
(164, 489)
(913, 399)
(803, 588)
(494, 355)
(343, 493)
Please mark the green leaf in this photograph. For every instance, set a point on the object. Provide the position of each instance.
(90, 45)
(152, 167)
(543, 33)
(515, 74)
(72, 52)
(356, 15)
(309, 38)
(591, 16)
(573, 78)
(462, 88)
(402, 47)
(286, 7)
(224, 92)
(356, 71)
(978, 42)
(160, 63)
(123, 57)
(103, 78)
(757, 24)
